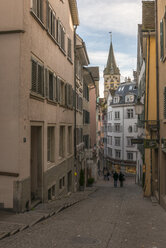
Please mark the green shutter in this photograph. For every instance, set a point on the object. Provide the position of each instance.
(161, 40)
(165, 103)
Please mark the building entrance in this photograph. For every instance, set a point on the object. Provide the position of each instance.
(36, 163)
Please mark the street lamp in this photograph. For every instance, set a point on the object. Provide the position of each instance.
(139, 107)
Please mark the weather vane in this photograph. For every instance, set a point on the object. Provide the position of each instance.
(110, 35)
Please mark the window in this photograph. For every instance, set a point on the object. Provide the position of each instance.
(109, 152)
(129, 98)
(86, 117)
(86, 141)
(51, 21)
(62, 141)
(130, 113)
(116, 99)
(118, 154)
(60, 35)
(162, 40)
(86, 92)
(165, 103)
(130, 129)
(50, 144)
(79, 135)
(62, 93)
(129, 156)
(129, 142)
(69, 140)
(117, 141)
(117, 127)
(51, 193)
(109, 127)
(109, 140)
(37, 78)
(68, 95)
(62, 183)
(51, 86)
(69, 49)
(135, 128)
(79, 102)
(117, 115)
(37, 7)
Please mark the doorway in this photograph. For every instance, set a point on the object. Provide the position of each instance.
(69, 181)
(36, 163)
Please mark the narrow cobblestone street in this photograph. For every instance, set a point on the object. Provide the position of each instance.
(109, 218)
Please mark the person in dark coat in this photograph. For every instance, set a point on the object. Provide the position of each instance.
(121, 178)
(115, 176)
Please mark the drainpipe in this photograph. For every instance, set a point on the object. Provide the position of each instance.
(147, 109)
(157, 88)
(75, 119)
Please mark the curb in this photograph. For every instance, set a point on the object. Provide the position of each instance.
(46, 216)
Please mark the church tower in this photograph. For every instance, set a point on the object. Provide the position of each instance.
(111, 73)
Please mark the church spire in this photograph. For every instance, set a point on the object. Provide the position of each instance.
(111, 68)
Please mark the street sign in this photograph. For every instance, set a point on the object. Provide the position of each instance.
(137, 141)
(150, 144)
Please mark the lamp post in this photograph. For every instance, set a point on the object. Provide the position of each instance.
(139, 107)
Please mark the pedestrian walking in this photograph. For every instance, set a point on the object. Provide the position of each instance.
(121, 178)
(108, 175)
(115, 177)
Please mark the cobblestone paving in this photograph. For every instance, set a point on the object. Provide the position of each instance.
(109, 218)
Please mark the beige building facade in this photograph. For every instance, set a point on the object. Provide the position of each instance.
(37, 83)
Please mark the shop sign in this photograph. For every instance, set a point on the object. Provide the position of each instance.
(150, 144)
(137, 141)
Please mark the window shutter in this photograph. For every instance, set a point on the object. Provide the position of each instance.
(41, 10)
(71, 96)
(46, 83)
(66, 94)
(34, 76)
(161, 41)
(34, 6)
(58, 81)
(53, 25)
(47, 16)
(58, 32)
(40, 80)
(165, 103)
(54, 88)
(69, 48)
(51, 90)
(74, 99)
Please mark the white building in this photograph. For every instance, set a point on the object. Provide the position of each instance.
(122, 128)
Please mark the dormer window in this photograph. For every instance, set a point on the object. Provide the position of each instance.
(116, 99)
(131, 87)
(129, 98)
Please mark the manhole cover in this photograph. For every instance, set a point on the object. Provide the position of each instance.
(85, 240)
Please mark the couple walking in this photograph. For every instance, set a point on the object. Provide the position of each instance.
(120, 177)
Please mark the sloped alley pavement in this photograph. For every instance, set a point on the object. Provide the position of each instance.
(106, 218)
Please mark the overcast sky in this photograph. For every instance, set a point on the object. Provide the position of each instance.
(97, 19)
